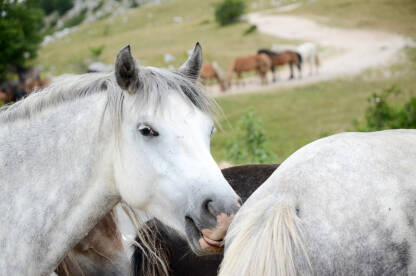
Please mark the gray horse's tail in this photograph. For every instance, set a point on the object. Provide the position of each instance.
(266, 239)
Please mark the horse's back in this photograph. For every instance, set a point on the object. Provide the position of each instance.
(307, 50)
(355, 196)
(208, 71)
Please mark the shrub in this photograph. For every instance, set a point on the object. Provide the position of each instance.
(229, 11)
(250, 145)
(380, 114)
(250, 29)
(20, 35)
(96, 51)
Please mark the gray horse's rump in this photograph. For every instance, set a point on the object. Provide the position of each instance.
(354, 195)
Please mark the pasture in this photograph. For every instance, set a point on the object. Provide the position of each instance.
(291, 116)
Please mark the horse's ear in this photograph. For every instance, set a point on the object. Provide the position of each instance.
(127, 74)
(192, 67)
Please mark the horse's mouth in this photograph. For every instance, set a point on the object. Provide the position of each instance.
(206, 245)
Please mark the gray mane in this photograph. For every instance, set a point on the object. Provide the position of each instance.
(155, 83)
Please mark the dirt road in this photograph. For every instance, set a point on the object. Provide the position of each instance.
(352, 50)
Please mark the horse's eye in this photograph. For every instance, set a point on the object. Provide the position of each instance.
(148, 131)
(214, 129)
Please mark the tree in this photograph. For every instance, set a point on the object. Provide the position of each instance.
(20, 36)
(229, 11)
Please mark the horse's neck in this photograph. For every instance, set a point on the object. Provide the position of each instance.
(55, 184)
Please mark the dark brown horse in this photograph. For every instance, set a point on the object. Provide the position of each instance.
(180, 260)
(259, 63)
(282, 58)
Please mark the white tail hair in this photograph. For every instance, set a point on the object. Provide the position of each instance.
(266, 239)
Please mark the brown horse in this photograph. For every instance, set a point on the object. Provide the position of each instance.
(282, 58)
(101, 252)
(212, 72)
(33, 85)
(259, 63)
(12, 92)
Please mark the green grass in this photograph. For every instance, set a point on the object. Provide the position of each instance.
(296, 116)
(152, 32)
(292, 117)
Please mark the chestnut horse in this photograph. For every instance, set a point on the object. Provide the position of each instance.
(212, 72)
(282, 58)
(180, 260)
(259, 63)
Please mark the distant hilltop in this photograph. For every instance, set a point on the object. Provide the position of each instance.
(64, 15)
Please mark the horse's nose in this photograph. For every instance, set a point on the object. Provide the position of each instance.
(217, 207)
(221, 212)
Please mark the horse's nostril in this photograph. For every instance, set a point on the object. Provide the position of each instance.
(207, 206)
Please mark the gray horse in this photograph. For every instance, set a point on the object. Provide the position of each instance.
(69, 153)
(343, 205)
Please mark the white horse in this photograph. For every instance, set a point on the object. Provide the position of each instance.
(309, 55)
(69, 153)
(342, 205)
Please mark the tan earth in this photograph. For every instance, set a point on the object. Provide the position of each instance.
(352, 50)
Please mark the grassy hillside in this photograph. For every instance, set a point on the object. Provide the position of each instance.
(295, 116)
(291, 117)
(152, 31)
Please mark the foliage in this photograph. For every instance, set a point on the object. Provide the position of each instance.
(20, 25)
(250, 145)
(380, 114)
(251, 29)
(49, 6)
(96, 51)
(76, 20)
(229, 11)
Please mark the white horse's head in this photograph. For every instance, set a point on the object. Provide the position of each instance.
(164, 165)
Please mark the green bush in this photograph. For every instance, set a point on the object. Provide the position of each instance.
(96, 51)
(250, 145)
(20, 35)
(380, 114)
(229, 11)
(49, 6)
(250, 29)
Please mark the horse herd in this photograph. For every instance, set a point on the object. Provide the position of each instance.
(139, 138)
(261, 63)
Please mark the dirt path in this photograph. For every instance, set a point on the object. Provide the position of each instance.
(354, 50)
